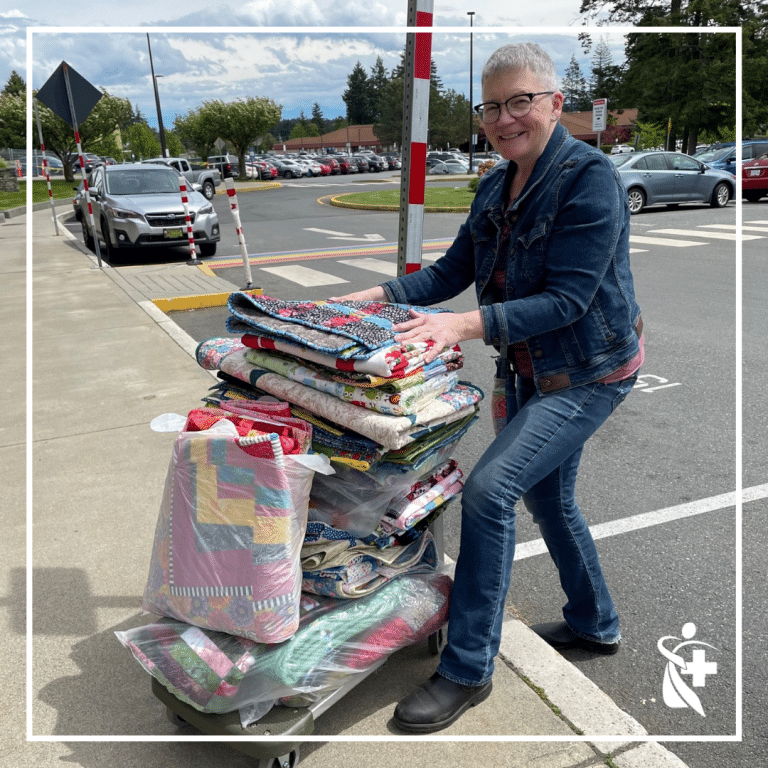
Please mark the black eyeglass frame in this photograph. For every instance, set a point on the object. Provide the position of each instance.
(479, 107)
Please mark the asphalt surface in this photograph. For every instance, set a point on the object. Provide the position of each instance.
(670, 445)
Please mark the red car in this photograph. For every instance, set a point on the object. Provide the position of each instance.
(754, 178)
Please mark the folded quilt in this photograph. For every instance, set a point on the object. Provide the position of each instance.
(391, 363)
(361, 570)
(403, 403)
(354, 328)
(389, 431)
(217, 672)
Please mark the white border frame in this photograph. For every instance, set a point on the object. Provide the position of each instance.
(516, 31)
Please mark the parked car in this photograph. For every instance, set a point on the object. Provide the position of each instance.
(289, 169)
(227, 165)
(361, 162)
(754, 178)
(139, 205)
(620, 149)
(108, 160)
(90, 160)
(55, 166)
(652, 178)
(451, 166)
(346, 165)
(375, 163)
(394, 161)
(723, 156)
(202, 179)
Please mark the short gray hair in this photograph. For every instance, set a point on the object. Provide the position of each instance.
(522, 56)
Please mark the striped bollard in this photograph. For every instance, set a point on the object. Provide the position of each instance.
(190, 233)
(18, 168)
(87, 193)
(229, 181)
(45, 168)
(415, 123)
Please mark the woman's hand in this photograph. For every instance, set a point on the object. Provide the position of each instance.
(443, 328)
(377, 293)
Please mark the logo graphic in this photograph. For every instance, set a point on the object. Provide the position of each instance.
(677, 692)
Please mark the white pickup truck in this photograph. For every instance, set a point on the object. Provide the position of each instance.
(203, 179)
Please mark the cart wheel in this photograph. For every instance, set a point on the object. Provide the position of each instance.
(291, 760)
(436, 641)
(175, 719)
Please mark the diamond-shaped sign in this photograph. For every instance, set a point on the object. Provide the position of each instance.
(54, 95)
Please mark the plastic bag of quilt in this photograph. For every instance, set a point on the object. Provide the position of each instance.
(337, 640)
(227, 545)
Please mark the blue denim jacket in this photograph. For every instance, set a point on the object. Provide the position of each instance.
(569, 286)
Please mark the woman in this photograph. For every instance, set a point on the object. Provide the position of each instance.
(546, 244)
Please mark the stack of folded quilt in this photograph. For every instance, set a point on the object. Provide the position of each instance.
(228, 571)
(386, 419)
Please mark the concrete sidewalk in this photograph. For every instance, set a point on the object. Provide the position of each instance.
(105, 362)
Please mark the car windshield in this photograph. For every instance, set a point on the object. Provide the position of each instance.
(710, 155)
(142, 182)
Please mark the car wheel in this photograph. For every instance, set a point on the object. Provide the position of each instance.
(109, 249)
(753, 195)
(87, 237)
(288, 175)
(636, 198)
(209, 190)
(207, 249)
(720, 196)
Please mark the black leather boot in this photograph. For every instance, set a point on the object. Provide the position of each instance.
(561, 637)
(437, 704)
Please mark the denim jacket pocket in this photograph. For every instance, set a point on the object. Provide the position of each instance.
(532, 248)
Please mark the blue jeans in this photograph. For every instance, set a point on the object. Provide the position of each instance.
(536, 458)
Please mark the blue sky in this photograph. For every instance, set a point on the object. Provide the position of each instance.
(238, 53)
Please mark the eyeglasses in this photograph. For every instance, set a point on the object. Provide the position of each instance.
(516, 106)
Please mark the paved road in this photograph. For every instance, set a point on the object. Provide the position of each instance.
(668, 448)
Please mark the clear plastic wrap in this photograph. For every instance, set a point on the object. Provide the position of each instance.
(217, 672)
(227, 545)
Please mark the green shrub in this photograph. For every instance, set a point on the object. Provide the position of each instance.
(472, 186)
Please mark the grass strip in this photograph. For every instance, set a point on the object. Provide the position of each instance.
(436, 200)
(61, 191)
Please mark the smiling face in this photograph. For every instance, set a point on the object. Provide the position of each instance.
(521, 139)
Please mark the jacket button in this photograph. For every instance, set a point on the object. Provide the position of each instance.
(545, 383)
(537, 353)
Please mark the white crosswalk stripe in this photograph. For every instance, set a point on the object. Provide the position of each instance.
(745, 227)
(699, 233)
(664, 241)
(303, 275)
(372, 265)
(309, 277)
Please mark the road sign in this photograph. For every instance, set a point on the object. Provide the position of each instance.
(54, 95)
(599, 114)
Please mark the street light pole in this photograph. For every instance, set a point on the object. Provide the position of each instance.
(471, 15)
(160, 128)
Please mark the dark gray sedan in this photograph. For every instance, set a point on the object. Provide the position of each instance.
(671, 178)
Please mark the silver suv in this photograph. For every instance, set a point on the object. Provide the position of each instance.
(139, 205)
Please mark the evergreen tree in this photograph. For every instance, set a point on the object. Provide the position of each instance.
(318, 119)
(15, 85)
(575, 94)
(606, 76)
(357, 97)
(377, 82)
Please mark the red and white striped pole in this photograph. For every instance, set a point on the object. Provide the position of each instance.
(418, 65)
(18, 169)
(188, 219)
(45, 169)
(87, 194)
(229, 181)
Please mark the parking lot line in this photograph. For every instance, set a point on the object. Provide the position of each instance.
(747, 226)
(657, 517)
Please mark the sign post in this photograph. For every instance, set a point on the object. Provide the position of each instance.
(62, 92)
(599, 117)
